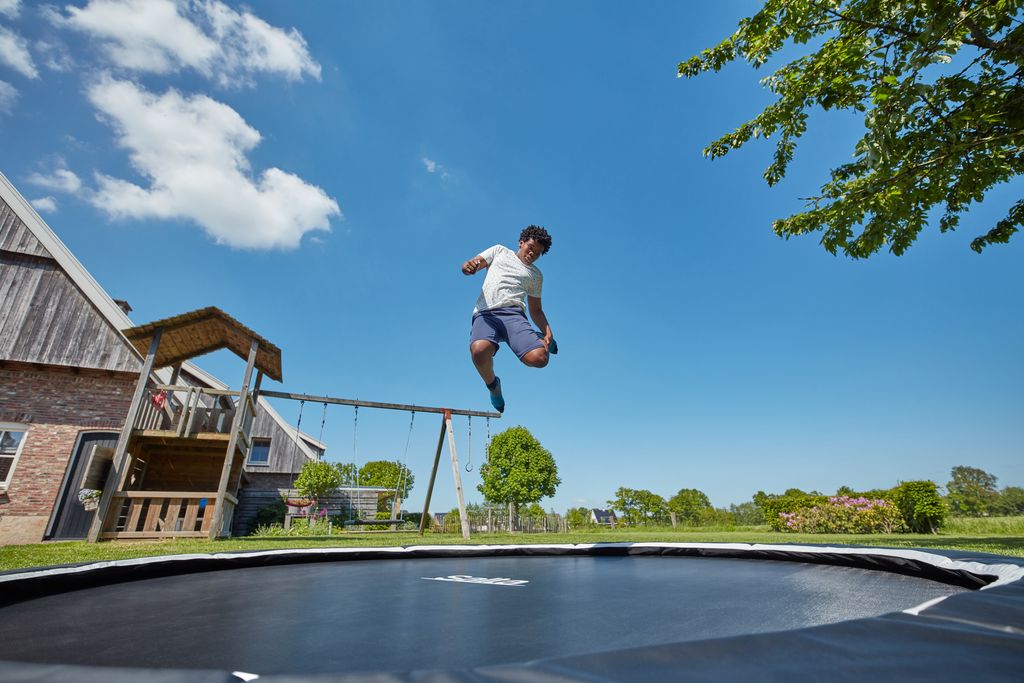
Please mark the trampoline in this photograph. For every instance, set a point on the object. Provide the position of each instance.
(643, 611)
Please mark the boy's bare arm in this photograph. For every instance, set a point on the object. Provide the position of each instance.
(539, 319)
(474, 264)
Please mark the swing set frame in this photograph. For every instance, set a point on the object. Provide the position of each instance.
(446, 429)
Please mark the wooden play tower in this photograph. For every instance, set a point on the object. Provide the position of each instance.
(177, 465)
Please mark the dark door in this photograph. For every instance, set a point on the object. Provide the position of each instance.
(73, 520)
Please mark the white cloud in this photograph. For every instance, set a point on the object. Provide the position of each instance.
(193, 151)
(45, 204)
(434, 167)
(161, 36)
(61, 180)
(10, 8)
(14, 53)
(251, 44)
(8, 96)
(144, 35)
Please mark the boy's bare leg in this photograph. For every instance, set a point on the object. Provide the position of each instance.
(483, 358)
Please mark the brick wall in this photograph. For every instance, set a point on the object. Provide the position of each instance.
(57, 404)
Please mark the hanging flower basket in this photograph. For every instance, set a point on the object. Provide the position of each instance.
(90, 498)
(298, 506)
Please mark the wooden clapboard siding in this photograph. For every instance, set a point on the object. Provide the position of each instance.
(46, 319)
(15, 235)
(285, 454)
(253, 498)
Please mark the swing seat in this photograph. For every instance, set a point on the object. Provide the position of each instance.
(369, 522)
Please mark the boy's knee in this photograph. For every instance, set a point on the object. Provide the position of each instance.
(482, 349)
(537, 358)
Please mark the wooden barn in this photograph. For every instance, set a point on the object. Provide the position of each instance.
(74, 368)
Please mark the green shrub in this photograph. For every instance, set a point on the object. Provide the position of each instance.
(845, 515)
(747, 514)
(716, 517)
(315, 525)
(774, 506)
(922, 507)
(271, 514)
(453, 522)
(318, 479)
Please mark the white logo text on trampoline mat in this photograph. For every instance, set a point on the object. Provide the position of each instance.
(462, 578)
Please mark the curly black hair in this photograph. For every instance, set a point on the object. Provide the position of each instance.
(538, 234)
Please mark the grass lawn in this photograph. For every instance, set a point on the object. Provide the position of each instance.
(1002, 536)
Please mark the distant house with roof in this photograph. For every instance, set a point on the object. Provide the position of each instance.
(603, 517)
(70, 367)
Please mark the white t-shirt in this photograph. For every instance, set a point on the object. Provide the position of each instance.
(509, 281)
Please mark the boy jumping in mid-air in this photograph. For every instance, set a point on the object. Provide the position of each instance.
(512, 286)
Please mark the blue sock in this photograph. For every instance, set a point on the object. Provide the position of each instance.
(497, 400)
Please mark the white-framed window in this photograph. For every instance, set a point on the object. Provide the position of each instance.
(259, 454)
(12, 440)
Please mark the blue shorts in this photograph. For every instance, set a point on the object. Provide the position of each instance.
(507, 324)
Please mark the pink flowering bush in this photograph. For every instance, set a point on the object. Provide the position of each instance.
(845, 515)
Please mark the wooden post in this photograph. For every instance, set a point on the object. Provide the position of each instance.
(117, 466)
(229, 458)
(433, 475)
(463, 517)
(256, 390)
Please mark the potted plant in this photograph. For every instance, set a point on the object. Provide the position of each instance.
(90, 498)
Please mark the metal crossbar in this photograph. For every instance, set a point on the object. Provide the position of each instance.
(375, 404)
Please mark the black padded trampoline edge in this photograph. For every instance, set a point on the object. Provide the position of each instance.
(20, 585)
(979, 634)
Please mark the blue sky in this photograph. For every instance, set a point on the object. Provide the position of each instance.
(321, 170)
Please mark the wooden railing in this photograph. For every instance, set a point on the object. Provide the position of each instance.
(181, 409)
(166, 514)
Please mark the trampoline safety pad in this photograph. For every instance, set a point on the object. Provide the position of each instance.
(644, 611)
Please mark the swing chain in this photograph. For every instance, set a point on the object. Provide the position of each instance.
(469, 449)
(355, 448)
(323, 420)
(405, 459)
(295, 443)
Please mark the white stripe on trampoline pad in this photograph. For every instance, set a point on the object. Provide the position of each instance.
(916, 611)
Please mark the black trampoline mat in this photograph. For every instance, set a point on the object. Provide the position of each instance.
(374, 615)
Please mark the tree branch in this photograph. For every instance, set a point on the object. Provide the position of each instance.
(910, 170)
(983, 41)
(978, 38)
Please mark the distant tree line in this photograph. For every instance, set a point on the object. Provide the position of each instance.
(914, 506)
(972, 492)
